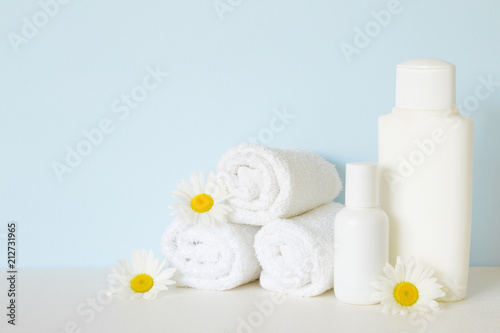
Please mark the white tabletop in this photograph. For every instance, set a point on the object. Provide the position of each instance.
(71, 300)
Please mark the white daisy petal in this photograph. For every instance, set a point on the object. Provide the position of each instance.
(409, 269)
(224, 208)
(390, 273)
(400, 274)
(418, 294)
(161, 287)
(166, 274)
(150, 295)
(195, 183)
(149, 259)
(181, 195)
(434, 305)
(416, 274)
(128, 280)
(135, 296)
(169, 282)
(210, 185)
(427, 273)
(194, 218)
(378, 285)
(201, 180)
(427, 283)
(137, 263)
(203, 219)
(217, 215)
(210, 215)
(127, 266)
(120, 280)
(159, 268)
(184, 186)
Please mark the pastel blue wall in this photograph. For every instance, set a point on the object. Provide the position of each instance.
(229, 71)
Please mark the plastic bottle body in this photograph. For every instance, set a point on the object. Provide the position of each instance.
(361, 240)
(425, 160)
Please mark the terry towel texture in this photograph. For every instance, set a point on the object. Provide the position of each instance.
(211, 257)
(296, 254)
(270, 183)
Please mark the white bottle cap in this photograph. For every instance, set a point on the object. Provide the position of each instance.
(425, 84)
(361, 188)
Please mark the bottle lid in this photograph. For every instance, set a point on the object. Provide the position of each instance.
(361, 185)
(425, 84)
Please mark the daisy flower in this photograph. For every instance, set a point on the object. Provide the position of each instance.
(407, 288)
(141, 278)
(201, 202)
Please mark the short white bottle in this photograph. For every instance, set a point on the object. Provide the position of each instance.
(361, 237)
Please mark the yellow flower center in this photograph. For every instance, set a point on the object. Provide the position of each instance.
(141, 283)
(406, 294)
(202, 203)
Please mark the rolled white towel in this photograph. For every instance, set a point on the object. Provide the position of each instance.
(296, 254)
(268, 183)
(217, 257)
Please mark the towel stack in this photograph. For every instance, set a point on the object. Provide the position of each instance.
(282, 216)
(289, 192)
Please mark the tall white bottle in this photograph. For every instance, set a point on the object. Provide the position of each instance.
(425, 156)
(361, 237)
